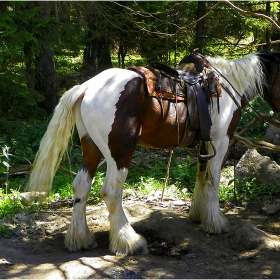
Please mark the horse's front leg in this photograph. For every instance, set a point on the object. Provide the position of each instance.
(123, 239)
(205, 206)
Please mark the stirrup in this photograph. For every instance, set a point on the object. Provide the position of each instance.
(205, 157)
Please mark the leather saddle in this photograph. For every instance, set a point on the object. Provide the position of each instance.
(194, 80)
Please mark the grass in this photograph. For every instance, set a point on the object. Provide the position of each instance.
(140, 179)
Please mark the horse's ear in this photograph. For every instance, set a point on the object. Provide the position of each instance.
(185, 60)
(195, 58)
(198, 61)
(196, 51)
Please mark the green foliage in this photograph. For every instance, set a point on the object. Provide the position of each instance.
(257, 131)
(245, 190)
(226, 193)
(4, 159)
(22, 138)
(184, 173)
(5, 231)
(21, 29)
(249, 189)
(10, 204)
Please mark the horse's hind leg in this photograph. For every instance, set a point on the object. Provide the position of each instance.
(123, 239)
(78, 235)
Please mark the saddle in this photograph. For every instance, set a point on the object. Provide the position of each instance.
(192, 82)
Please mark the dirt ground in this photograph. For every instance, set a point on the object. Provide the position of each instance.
(178, 248)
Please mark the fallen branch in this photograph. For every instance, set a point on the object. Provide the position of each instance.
(258, 144)
(267, 146)
(25, 170)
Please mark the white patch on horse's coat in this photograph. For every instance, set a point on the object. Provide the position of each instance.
(78, 235)
(98, 106)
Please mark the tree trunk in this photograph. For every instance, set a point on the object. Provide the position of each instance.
(97, 55)
(121, 55)
(3, 6)
(97, 50)
(200, 25)
(45, 77)
(27, 50)
(267, 32)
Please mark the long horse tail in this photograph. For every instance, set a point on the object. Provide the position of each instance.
(54, 142)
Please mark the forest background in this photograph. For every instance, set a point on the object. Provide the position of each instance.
(48, 47)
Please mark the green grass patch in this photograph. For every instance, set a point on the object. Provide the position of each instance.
(5, 231)
(9, 205)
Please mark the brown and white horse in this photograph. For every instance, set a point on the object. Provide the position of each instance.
(113, 114)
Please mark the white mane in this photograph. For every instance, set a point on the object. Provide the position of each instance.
(245, 73)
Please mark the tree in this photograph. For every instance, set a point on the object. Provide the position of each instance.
(97, 50)
(201, 9)
(45, 74)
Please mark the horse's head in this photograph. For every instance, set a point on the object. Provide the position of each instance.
(192, 63)
(271, 68)
(195, 64)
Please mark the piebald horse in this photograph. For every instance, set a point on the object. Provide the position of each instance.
(113, 114)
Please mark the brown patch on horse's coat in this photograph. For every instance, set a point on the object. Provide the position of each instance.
(274, 94)
(122, 139)
(160, 117)
(234, 122)
(91, 156)
(144, 120)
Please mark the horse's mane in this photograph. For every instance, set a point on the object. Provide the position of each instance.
(246, 74)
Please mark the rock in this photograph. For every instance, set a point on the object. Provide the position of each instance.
(190, 256)
(179, 203)
(271, 209)
(253, 165)
(249, 237)
(5, 262)
(266, 200)
(272, 135)
(28, 197)
(130, 274)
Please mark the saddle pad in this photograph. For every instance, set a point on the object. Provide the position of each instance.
(151, 79)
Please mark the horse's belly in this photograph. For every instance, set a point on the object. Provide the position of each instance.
(163, 124)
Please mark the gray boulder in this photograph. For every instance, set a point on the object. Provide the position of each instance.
(272, 135)
(249, 237)
(253, 165)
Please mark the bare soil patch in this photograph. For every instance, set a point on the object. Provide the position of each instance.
(178, 248)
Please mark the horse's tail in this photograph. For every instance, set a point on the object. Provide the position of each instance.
(54, 142)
